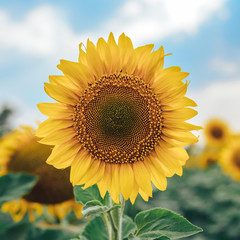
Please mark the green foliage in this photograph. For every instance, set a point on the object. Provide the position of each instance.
(89, 194)
(158, 222)
(24, 230)
(207, 198)
(13, 186)
(129, 227)
(95, 207)
(151, 224)
(95, 228)
(9, 230)
(35, 233)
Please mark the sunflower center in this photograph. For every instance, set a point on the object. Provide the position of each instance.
(236, 158)
(118, 119)
(210, 161)
(53, 186)
(217, 132)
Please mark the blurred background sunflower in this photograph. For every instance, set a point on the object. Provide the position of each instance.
(230, 158)
(217, 132)
(21, 153)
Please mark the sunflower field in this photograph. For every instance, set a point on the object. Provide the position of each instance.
(116, 157)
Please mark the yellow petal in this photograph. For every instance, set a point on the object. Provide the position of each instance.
(51, 125)
(144, 195)
(59, 137)
(61, 94)
(125, 43)
(179, 115)
(102, 186)
(168, 161)
(181, 125)
(112, 187)
(116, 67)
(107, 178)
(105, 54)
(82, 55)
(97, 177)
(134, 192)
(158, 164)
(64, 81)
(126, 54)
(180, 135)
(178, 153)
(116, 180)
(142, 177)
(55, 110)
(95, 63)
(157, 175)
(77, 72)
(183, 102)
(126, 180)
(79, 167)
(171, 96)
(156, 61)
(92, 171)
(142, 53)
(167, 79)
(63, 156)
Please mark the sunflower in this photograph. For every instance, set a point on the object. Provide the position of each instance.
(20, 152)
(230, 158)
(119, 119)
(207, 158)
(217, 132)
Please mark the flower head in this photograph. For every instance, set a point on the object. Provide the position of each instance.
(119, 119)
(217, 132)
(208, 158)
(20, 152)
(230, 158)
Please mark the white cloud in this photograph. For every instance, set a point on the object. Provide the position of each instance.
(43, 31)
(224, 66)
(152, 20)
(219, 100)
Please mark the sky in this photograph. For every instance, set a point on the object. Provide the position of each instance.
(203, 35)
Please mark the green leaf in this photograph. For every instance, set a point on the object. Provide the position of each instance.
(95, 207)
(15, 231)
(89, 194)
(128, 226)
(95, 229)
(132, 237)
(15, 185)
(159, 222)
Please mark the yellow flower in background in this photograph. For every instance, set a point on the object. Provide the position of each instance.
(207, 158)
(230, 158)
(217, 132)
(20, 152)
(119, 119)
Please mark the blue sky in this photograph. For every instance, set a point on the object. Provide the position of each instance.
(203, 35)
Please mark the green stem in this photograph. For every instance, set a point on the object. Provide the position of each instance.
(108, 224)
(113, 220)
(115, 230)
(121, 210)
